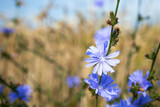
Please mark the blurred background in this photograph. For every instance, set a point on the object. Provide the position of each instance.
(42, 42)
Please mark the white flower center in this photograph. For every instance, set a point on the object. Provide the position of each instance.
(100, 87)
(102, 59)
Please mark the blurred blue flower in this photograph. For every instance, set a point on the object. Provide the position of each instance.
(99, 3)
(105, 88)
(73, 81)
(143, 82)
(99, 58)
(122, 103)
(141, 101)
(117, 90)
(103, 34)
(1, 88)
(23, 92)
(7, 30)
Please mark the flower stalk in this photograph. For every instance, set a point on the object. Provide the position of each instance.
(114, 21)
(154, 58)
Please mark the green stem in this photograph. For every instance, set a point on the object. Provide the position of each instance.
(112, 27)
(109, 46)
(2, 81)
(96, 100)
(154, 58)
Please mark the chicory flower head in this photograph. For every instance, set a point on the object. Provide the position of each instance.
(141, 101)
(99, 58)
(6, 30)
(122, 103)
(117, 90)
(103, 34)
(158, 82)
(99, 3)
(105, 88)
(22, 92)
(143, 82)
(73, 81)
(1, 88)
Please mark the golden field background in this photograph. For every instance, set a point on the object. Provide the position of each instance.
(66, 48)
(51, 53)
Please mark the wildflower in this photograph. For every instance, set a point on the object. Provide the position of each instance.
(117, 90)
(141, 101)
(137, 77)
(99, 58)
(7, 30)
(103, 34)
(99, 3)
(23, 92)
(105, 88)
(73, 81)
(122, 103)
(1, 88)
(158, 83)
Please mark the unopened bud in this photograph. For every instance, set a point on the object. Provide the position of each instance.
(137, 83)
(117, 29)
(116, 20)
(140, 89)
(147, 55)
(109, 22)
(116, 40)
(111, 13)
(19, 3)
(136, 95)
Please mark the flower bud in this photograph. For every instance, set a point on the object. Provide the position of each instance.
(116, 40)
(109, 22)
(19, 3)
(117, 29)
(137, 83)
(147, 56)
(116, 20)
(111, 13)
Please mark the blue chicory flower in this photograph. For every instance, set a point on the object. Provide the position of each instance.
(99, 3)
(103, 34)
(1, 88)
(105, 88)
(6, 30)
(143, 82)
(23, 92)
(122, 103)
(99, 58)
(73, 81)
(117, 90)
(141, 101)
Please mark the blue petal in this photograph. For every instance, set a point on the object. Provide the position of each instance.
(113, 55)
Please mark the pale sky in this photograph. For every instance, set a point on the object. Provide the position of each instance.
(33, 7)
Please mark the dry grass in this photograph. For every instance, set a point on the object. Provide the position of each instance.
(66, 47)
